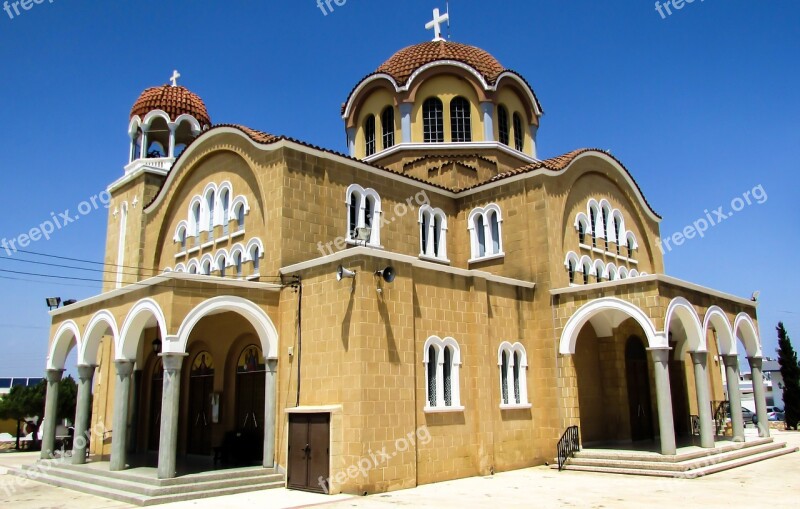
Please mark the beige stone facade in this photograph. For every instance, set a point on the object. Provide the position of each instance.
(196, 276)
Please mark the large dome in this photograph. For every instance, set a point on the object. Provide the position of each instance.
(174, 100)
(406, 61)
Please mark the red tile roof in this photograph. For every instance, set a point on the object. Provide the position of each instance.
(403, 63)
(175, 101)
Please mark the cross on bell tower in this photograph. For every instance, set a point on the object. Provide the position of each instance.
(436, 24)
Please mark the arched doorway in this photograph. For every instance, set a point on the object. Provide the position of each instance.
(154, 415)
(201, 388)
(638, 382)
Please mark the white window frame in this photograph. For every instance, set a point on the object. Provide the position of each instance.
(490, 252)
(355, 191)
(455, 392)
(510, 350)
(426, 252)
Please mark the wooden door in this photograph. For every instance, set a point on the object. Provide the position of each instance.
(201, 386)
(639, 401)
(309, 452)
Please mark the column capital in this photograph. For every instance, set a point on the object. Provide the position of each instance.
(86, 371)
(54, 375)
(660, 353)
(756, 362)
(173, 361)
(731, 360)
(699, 357)
(124, 367)
(272, 365)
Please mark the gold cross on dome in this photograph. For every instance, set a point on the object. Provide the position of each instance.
(436, 24)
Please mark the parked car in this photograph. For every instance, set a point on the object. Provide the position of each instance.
(776, 416)
(747, 415)
(771, 409)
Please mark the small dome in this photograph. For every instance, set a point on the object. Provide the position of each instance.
(174, 100)
(406, 61)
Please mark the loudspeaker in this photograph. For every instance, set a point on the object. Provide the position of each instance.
(388, 274)
(342, 273)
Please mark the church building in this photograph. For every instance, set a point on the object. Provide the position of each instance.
(441, 301)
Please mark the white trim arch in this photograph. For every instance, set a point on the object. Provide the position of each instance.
(715, 317)
(254, 242)
(490, 250)
(193, 122)
(183, 224)
(221, 255)
(193, 264)
(599, 269)
(180, 268)
(749, 336)
(206, 259)
(258, 318)
(683, 310)
(361, 196)
(439, 346)
(583, 263)
(62, 344)
(101, 324)
(633, 273)
(137, 320)
(623, 272)
(611, 273)
(195, 220)
(606, 314)
(429, 250)
(572, 256)
(209, 208)
(511, 382)
(223, 210)
(152, 116)
(616, 213)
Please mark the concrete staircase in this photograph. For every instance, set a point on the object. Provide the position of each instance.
(689, 463)
(141, 487)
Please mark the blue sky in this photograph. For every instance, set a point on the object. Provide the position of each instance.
(701, 107)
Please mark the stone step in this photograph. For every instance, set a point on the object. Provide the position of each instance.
(677, 466)
(145, 494)
(727, 462)
(652, 456)
(193, 479)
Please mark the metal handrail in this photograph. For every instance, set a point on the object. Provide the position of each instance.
(568, 445)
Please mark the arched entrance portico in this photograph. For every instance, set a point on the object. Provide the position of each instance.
(609, 342)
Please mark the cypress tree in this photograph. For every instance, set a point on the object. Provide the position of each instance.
(790, 371)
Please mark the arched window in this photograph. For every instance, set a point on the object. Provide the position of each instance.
(571, 270)
(605, 226)
(433, 120)
(196, 222)
(387, 127)
(225, 203)
(513, 363)
(207, 267)
(221, 259)
(192, 268)
(210, 202)
(240, 217)
(630, 247)
(442, 359)
(433, 231)
(593, 225)
(363, 216)
(485, 226)
(180, 236)
(581, 233)
(587, 270)
(369, 135)
(255, 255)
(460, 120)
(237, 263)
(431, 371)
(617, 225)
(502, 125)
(519, 136)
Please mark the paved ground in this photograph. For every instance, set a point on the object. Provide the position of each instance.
(773, 483)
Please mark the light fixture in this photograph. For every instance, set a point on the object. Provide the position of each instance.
(755, 296)
(157, 345)
(70, 302)
(388, 274)
(363, 234)
(342, 273)
(53, 302)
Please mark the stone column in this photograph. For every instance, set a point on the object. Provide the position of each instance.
(700, 361)
(269, 413)
(534, 131)
(119, 432)
(487, 108)
(734, 396)
(172, 129)
(351, 141)
(405, 121)
(666, 425)
(50, 411)
(83, 413)
(170, 399)
(759, 396)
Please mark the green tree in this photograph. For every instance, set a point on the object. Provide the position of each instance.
(23, 403)
(26, 404)
(790, 371)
